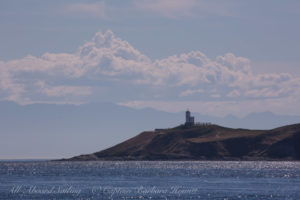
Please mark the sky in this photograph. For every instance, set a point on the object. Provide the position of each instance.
(215, 57)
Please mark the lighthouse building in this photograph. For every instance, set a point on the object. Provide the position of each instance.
(189, 120)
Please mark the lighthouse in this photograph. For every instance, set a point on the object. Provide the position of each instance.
(189, 120)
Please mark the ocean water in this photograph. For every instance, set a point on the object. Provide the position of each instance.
(149, 180)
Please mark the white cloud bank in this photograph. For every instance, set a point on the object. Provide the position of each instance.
(110, 69)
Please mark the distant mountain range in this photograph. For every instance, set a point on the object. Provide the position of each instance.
(205, 142)
(53, 131)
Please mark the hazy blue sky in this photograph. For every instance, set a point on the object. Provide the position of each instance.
(215, 57)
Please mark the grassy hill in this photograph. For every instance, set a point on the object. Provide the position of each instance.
(206, 142)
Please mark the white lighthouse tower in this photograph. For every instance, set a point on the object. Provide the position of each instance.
(189, 120)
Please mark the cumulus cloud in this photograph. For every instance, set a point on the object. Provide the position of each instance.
(124, 74)
(194, 68)
(105, 58)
